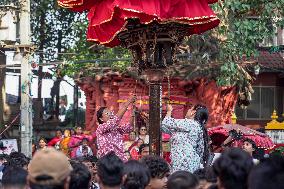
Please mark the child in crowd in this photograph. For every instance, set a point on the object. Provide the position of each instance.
(159, 170)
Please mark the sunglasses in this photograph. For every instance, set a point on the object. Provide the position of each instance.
(143, 129)
(109, 113)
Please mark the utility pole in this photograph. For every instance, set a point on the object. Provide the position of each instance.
(75, 106)
(2, 88)
(26, 75)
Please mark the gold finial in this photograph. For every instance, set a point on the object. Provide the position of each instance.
(274, 124)
(234, 118)
(274, 116)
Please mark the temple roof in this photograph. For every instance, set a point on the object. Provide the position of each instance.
(271, 61)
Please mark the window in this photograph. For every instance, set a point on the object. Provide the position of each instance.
(253, 110)
(264, 101)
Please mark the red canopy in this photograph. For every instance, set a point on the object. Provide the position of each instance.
(107, 18)
(82, 5)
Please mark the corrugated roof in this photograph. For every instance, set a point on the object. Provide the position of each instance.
(271, 60)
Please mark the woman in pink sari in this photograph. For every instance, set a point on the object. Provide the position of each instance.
(75, 141)
(110, 133)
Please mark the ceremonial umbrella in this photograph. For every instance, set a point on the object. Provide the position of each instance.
(220, 133)
(107, 18)
(82, 5)
(152, 30)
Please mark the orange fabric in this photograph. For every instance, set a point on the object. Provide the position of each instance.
(64, 146)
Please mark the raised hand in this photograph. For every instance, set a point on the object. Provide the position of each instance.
(169, 108)
(133, 98)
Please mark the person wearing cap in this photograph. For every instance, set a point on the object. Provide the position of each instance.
(110, 132)
(84, 150)
(50, 169)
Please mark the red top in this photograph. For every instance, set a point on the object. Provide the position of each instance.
(134, 152)
(54, 141)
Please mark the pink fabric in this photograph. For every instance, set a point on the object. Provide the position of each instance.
(110, 137)
(222, 132)
(166, 137)
(75, 143)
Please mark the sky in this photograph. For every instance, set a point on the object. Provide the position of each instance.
(12, 84)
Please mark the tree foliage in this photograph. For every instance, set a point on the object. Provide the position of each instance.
(84, 51)
(245, 25)
(53, 28)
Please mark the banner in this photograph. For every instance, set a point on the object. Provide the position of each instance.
(10, 145)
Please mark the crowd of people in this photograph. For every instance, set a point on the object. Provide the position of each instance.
(70, 163)
(51, 169)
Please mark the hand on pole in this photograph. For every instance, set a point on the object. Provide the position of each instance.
(122, 111)
(169, 108)
(133, 98)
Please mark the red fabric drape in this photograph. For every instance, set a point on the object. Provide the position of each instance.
(105, 25)
(107, 18)
(82, 5)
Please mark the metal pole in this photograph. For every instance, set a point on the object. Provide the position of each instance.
(75, 106)
(155, 117)
(2, 89)
(57, 96)
(26, 74)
